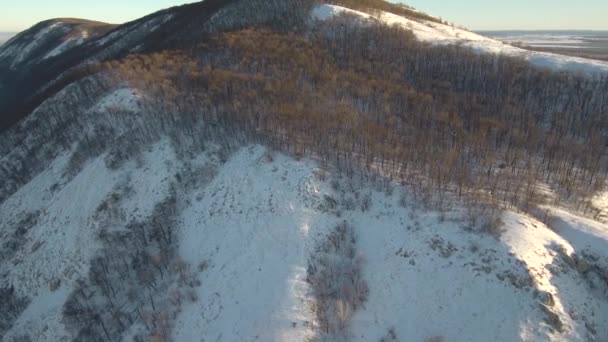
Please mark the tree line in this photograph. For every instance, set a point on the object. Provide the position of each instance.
(373, 97)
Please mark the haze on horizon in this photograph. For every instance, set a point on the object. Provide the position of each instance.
(473, 14)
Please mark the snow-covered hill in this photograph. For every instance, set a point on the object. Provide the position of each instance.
(127, 217)
(250, 226)
(436, 33)
(49, 39)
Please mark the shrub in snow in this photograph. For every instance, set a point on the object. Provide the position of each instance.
(15, 239)
(268, 156)
(334, 273)
(403, 200)
(90, 145)
(484, 218)
(11, 306)
(329, 203)
(349, 204)
(335, 184)
(22, 338)
(434, 339)
(366, 202)
(391, 336)
(137, 278)
(127, 147)
(54, 284)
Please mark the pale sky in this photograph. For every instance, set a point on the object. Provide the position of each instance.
(17, 15)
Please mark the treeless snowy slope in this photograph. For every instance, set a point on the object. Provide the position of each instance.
(255, 226)
(437, 33)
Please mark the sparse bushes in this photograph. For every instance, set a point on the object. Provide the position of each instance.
(127, 147)
(335, 184)
(366, 202)
(268, 156)
(349, 203)
(195, 177)
(434, 339)
(136, 278)
(11, 306)
(54, 284)
(15, 234)
(22, 338)
(492, 224)
(484, 218)
(391, 336)
(88, 147)
(403, 200)
(334, 273)
(329, 203)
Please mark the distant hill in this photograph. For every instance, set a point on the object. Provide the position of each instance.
(576, 43)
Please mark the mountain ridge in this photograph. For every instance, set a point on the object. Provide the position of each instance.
(171, 30)
(299, 171)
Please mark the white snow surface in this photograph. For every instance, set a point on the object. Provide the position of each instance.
(255, 220)
(436, 33)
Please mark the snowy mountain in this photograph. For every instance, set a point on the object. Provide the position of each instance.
(439, 33)
(48, 39)
(295, 170)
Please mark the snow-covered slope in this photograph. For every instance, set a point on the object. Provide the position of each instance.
(68, 43)
(437, 33)
(250, 225)
(48, 39)
(162, 236)
(17, 51)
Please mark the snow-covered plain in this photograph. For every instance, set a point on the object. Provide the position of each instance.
(437, 33)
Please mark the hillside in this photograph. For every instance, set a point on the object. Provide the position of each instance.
(247, 232)
(298, 170)
(439, 33)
